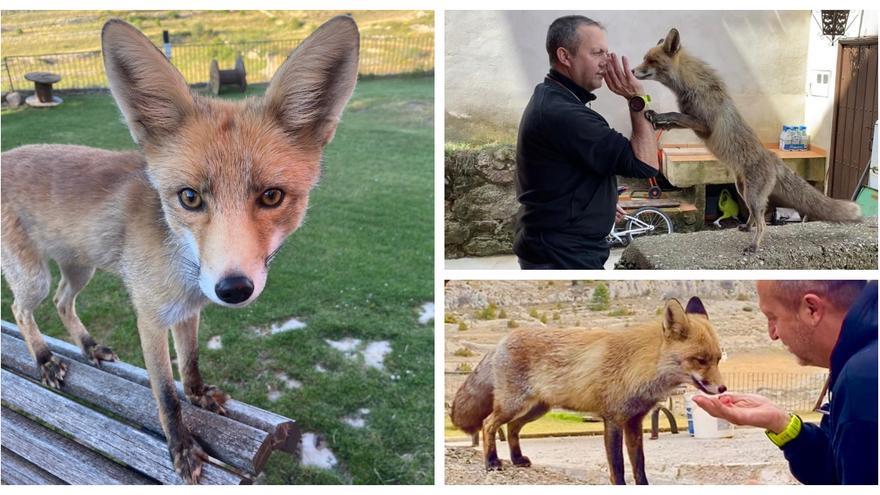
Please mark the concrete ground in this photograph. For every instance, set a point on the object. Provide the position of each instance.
(508, 262)
(747, 458)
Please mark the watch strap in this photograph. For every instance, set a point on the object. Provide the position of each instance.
(791, 431)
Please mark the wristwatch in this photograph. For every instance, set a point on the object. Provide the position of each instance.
(638, 102)
(791, 431)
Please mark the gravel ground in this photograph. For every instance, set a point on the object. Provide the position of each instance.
(748, 458)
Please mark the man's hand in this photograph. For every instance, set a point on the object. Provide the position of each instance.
(618, 215)
(620, 79)
(745, 409)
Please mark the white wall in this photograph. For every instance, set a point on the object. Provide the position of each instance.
(822, 56)
(494, 59)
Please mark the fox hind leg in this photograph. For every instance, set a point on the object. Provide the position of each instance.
(756, 196)
(73, 279)
(513, 428)
(28, 277)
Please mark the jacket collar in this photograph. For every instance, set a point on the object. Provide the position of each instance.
(859, 329)
(580, 93)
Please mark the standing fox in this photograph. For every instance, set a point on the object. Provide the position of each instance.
(195, 216)
(619, 375)
(708, 110)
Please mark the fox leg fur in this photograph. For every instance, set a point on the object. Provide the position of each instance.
(614, 451)
(28, 277)
(186, 454)
(635, 448)
(490, 425)
(676, 120)
(513, 428)
(73, 279)
(186, 344)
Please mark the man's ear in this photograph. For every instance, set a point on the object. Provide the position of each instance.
(309, 91)
(813, 308)
(150, 92)
(672, 43)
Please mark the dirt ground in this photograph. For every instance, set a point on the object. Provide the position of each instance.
(747, 458)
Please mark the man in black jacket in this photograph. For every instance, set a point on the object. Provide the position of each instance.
(568, 157)
(832, 324)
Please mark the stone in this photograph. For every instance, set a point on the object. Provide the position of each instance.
(14, 99)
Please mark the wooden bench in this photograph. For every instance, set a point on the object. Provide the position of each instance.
(103, 427)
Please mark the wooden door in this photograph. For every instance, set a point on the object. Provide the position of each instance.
(855, 111)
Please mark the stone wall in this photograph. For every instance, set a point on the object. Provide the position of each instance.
(480, 200)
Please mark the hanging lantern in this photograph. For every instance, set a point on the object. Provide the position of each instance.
(834, 23)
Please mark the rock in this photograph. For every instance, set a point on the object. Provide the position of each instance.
(802, 246)
(14, 99)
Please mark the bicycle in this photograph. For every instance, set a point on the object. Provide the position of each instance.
(647, 220)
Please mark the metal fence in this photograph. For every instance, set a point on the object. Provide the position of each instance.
(83, 70)
(790, 391)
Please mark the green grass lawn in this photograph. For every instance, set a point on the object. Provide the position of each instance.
(360, 268)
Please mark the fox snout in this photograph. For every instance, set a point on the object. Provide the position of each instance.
(706, 385)
(642, 73)
(234, 289)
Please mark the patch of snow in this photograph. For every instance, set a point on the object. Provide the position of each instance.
(374, 354)
(291, 324)
(215, 343)
(274, 395)
(427, 313)
(290, 383)
(346, 345)
(357, 420)
(315, 452)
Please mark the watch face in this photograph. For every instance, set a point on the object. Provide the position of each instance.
(636, 104)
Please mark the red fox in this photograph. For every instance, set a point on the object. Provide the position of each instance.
(619, 375)
(708, 110)
(195, 216)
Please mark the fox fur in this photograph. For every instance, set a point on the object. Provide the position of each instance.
(194, 216)
(618, 375)
(707, 109)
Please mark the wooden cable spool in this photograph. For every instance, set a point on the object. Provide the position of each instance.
(233, 77)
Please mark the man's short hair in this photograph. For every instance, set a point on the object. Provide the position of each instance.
(564, 32)
(840, 293)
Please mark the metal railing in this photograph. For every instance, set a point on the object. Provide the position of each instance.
(85, 70)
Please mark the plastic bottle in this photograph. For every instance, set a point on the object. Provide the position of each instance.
(805, 138)
(784, 137)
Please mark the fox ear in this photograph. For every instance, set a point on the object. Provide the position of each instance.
(672, 43)
(695, 306)
(309, 91)
(150, 92)
(674, 321)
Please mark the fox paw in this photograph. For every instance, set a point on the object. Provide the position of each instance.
(52, 372)
(188, 457)
(744, 227)
(656, 121)
(97, 353)
(520, 461)
(210, 398)
(493, 463)
(750, 249)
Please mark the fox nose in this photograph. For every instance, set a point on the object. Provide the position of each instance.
(722, 389)
(235, 289)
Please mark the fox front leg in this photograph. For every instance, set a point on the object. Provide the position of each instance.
(186, 344)
(186, 454)
(676, 120)
(614, 451)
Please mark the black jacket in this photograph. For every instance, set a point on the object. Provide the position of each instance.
(843, 449)
(567, 162)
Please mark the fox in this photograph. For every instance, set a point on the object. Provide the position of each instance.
(194, 216)
(620, 375)
(707, 109)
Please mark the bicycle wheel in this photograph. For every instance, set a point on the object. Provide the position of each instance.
(648, 221)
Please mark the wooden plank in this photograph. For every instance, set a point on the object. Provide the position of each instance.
(69, 461)
(138, 449)
(284, 432)
(17, 471)
(234, 443)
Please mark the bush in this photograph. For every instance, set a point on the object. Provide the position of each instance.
(490, 312)
(502, 314)
(512, 324)
(463, 352)
(555, 315)
(449, 318)
(743, 297)
(464, 367)
(462, 326)
(533, 313)
(544, 318)
(621, 312)
(601, 298)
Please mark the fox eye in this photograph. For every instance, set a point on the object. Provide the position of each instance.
(271, 197)
(190, 199)
(701, 361)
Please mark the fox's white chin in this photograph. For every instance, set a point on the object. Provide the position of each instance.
(697, 382)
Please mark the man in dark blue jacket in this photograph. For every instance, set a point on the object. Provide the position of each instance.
(568, 157)
(825, 323)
